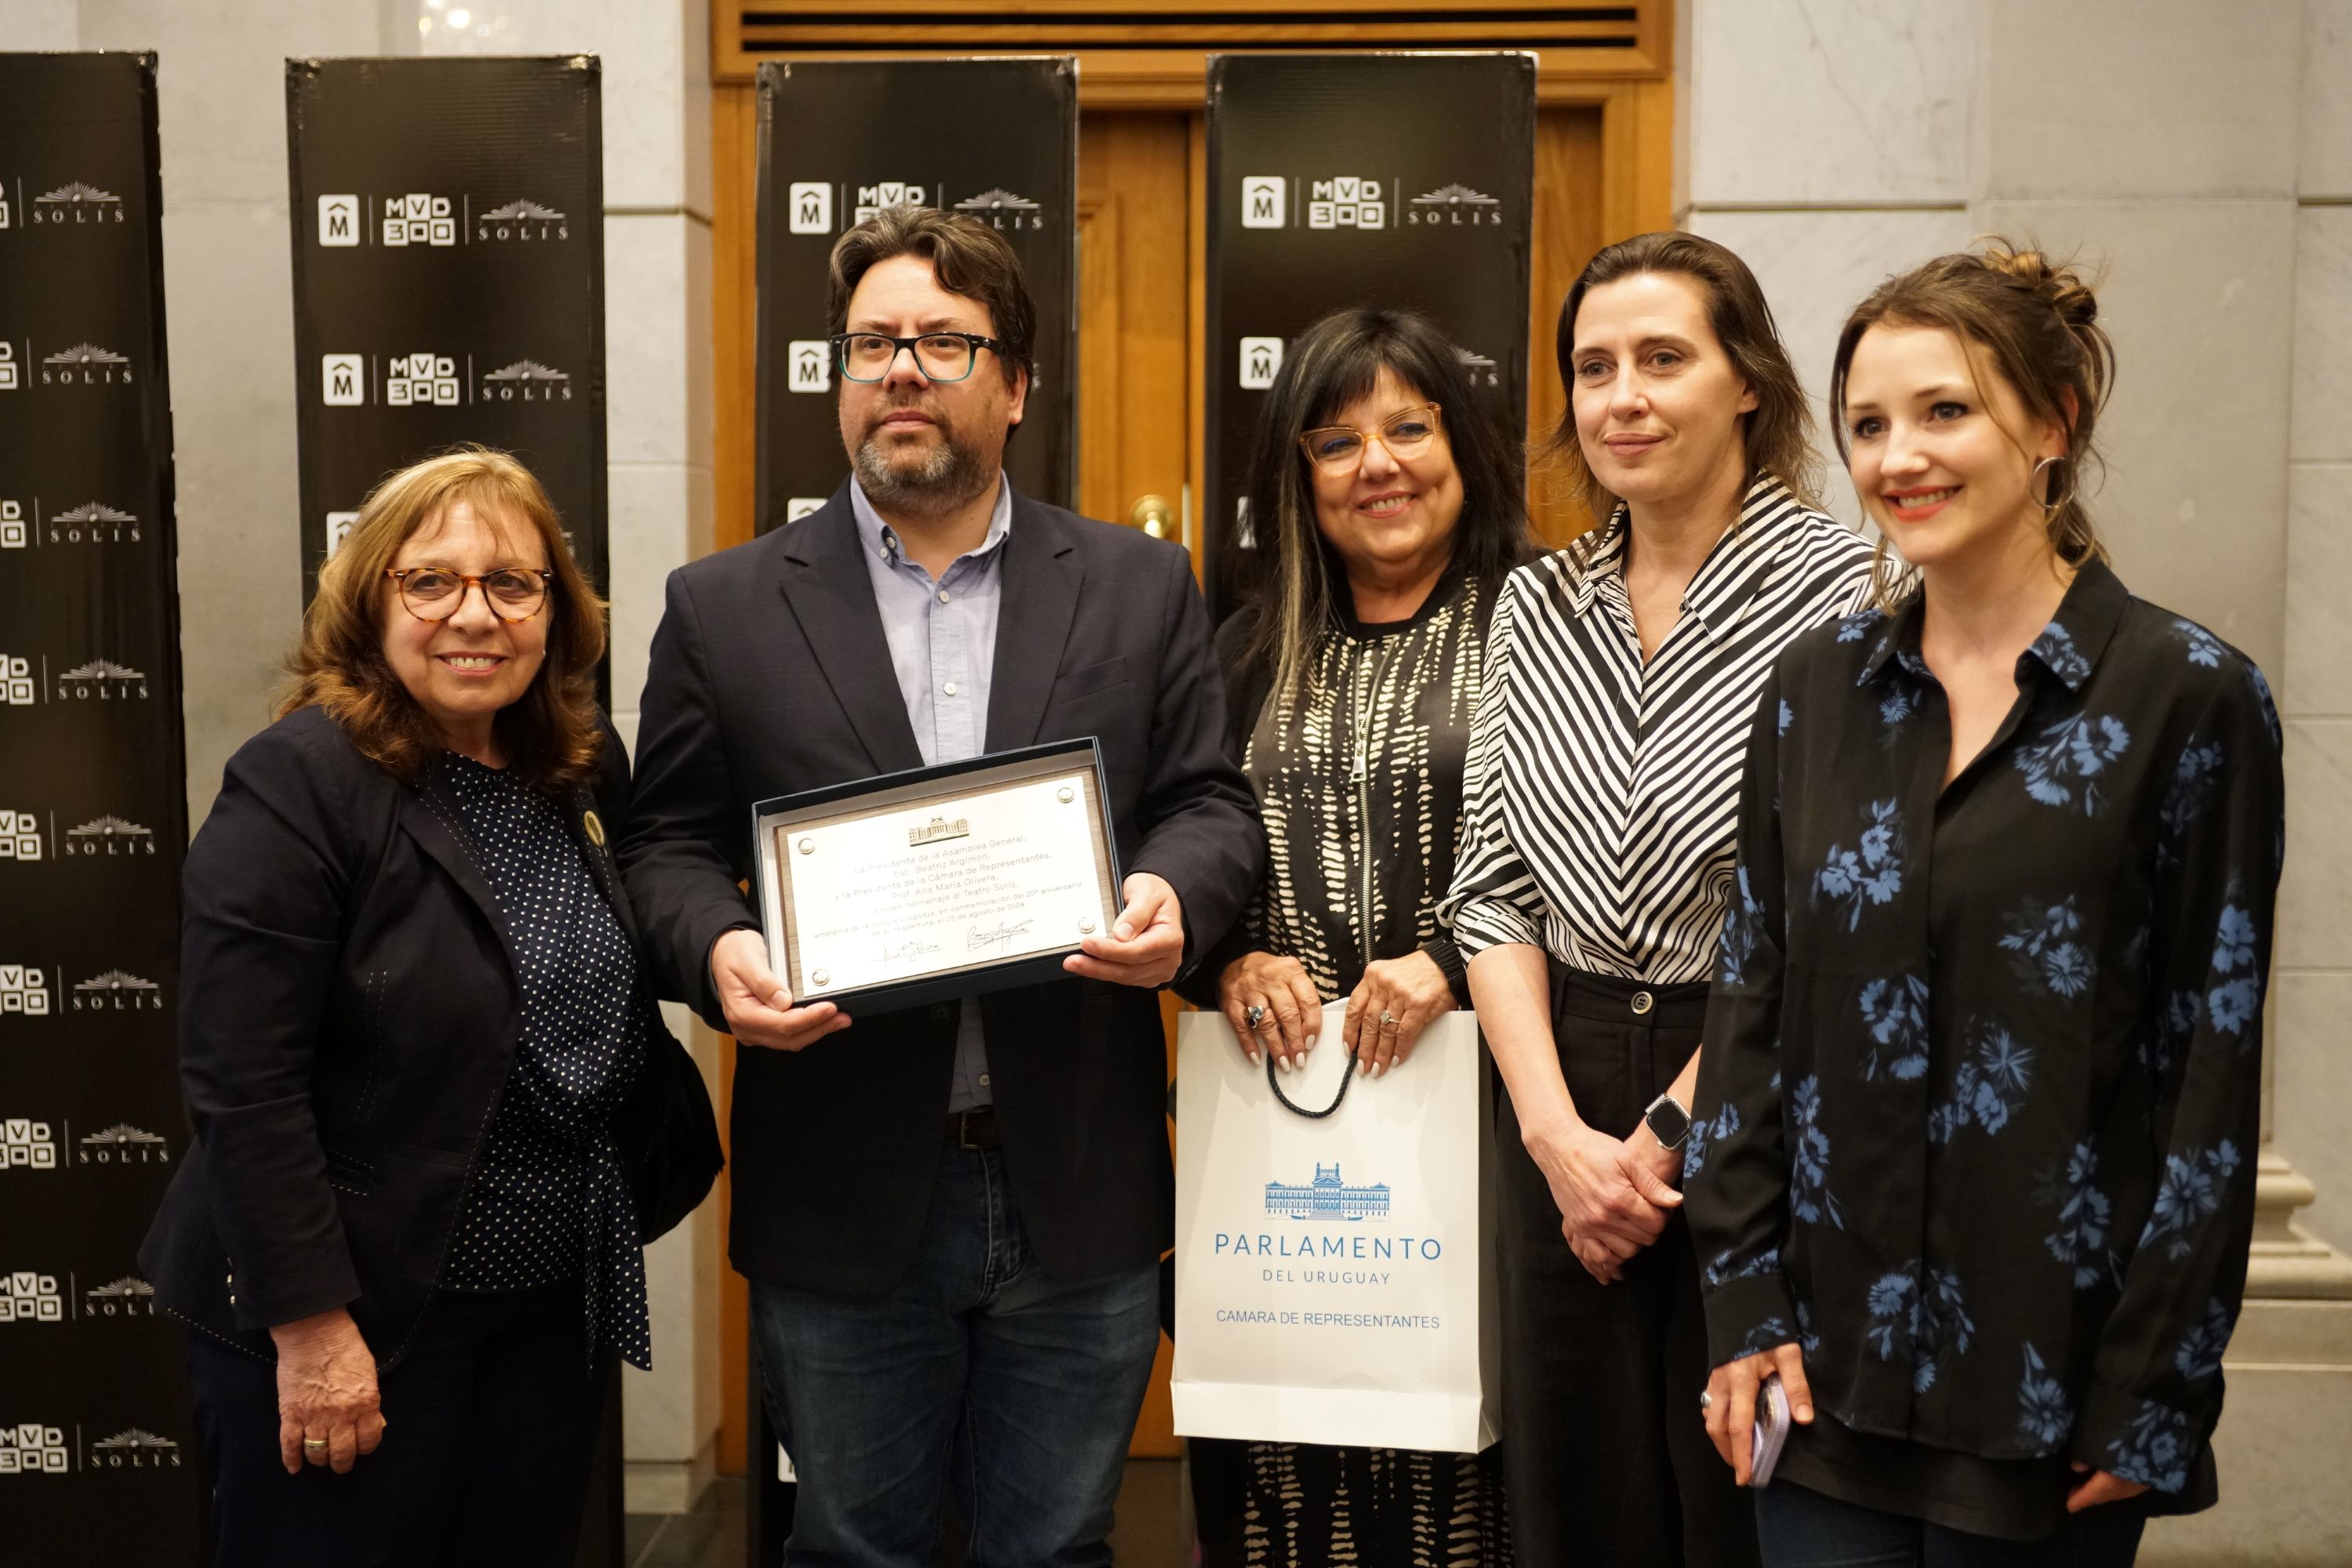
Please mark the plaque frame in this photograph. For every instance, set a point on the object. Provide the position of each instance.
(772, 819)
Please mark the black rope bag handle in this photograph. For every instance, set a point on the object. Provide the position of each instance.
(1347, 1077)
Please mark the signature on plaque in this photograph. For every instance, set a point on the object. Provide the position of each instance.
(939, 830)
(982, 938)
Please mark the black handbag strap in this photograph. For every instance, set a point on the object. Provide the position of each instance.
(1347, 1076)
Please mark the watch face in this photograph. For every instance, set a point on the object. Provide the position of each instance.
(1669, 1122)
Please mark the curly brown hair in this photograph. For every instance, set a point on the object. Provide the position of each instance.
(552, 734)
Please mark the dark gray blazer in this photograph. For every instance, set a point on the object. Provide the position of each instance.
(771, 674)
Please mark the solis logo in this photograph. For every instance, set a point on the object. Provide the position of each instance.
(79, 204)
(102, 681)
(128, 1297)
(25, 988)
(32, 1448)
(1480, 370)
(1000, 208)
(134, 1449)
(20, 836)
(522, 222)
(109, 837)
(92, 522)
(526, 381)
(115, 992)
(27, 1145)
(872, 199)
(1454, 206)
(26, 1296)
(85, 364)
(123, 1144)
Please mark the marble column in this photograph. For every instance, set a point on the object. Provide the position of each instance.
(656, 106)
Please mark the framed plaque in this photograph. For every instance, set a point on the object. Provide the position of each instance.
(937, 882)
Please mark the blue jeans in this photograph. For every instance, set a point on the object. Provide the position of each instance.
(979, 1368)
(1801, 1529)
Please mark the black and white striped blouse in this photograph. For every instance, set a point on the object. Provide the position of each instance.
(1602, 793)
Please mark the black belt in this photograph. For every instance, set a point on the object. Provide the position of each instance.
(974, 1129)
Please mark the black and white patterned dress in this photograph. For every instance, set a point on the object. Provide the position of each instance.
(1356, 865)
(550, 1201)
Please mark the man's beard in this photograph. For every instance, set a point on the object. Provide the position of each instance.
(944, 476)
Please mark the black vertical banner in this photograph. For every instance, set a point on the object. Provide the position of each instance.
(1375, 179)
(97, 1451)
(995, 138)
(448, 225)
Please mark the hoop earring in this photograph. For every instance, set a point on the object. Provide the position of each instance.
(2051, 508)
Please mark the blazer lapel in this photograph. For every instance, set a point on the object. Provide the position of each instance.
(1041, 581)
(824, 580)
(432, 820)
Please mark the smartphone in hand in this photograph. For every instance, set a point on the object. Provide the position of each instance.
(1771, 1432)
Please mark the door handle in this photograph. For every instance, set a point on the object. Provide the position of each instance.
(1152, 514)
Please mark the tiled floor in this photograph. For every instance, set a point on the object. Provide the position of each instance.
(1149, 1533)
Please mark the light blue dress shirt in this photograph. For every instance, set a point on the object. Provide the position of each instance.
(942, 637)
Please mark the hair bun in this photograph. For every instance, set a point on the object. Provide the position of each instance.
(2061, 283)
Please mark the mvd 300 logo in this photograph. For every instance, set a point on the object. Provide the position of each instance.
(33, 1449)
(25, 988)
(26, 1296)
(872, 199)
(1327, 1197)
(27, 1145)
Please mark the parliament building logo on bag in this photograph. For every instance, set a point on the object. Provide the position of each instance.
(33, 1449)
(25, 988)
(1000, 208)
(1327, 1197)
(76, 204)
(111, 837)
(26, 1296)
(115, 992)
(123, 1144)
(27, 1145)
(86, 364)
(526, 381)
(1454, 206)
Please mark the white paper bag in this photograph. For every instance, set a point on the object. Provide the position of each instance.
(1334, 1277)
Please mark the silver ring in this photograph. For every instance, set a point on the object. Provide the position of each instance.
(1255, 1013)
(1705, 1400)
(1388, 1019)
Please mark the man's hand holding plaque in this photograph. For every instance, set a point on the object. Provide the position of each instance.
(1146, 945)
(759, 1010)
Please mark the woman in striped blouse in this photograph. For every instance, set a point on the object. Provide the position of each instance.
(1602, 786)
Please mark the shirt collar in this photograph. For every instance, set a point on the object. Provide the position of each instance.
(1733, 569)
(2068, 648)
(878, 538)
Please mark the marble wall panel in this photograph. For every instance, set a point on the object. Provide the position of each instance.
(2318, 679)
(2315, 918)
(36, 25)
(1807, 102)
(2111, 99)
(2323, 335)
(2310, 1012)
(1814, 267)
(2326, 166)
(2198, 300)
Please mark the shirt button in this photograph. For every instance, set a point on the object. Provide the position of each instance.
(983, 1080)
(949, 688)
(943, 596)
(1643, 1003)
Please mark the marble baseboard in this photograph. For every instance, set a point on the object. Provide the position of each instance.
(669, 1486)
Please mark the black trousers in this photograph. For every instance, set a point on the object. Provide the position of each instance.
(1606, 1457)
(490, 1421)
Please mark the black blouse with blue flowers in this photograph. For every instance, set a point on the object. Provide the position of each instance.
(1977, 1114)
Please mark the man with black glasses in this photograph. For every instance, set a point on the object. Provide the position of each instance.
(951, 1214)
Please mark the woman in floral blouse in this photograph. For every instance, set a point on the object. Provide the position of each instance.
(1973, 1168)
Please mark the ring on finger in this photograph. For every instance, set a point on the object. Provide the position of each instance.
(1705, 1400)
(1255, 1013)
(1388, 1019)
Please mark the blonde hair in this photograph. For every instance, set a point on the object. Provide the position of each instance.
(551, 733)
(2037, 322)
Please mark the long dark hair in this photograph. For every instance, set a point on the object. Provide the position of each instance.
(1288, 572)
(1777, 434)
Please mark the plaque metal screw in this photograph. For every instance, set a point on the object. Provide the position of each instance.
(1065, 794)
(820, 978)
(1087, 925)
(808, 846)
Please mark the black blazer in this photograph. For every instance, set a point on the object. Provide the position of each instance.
(770, 674)
(348, 1018)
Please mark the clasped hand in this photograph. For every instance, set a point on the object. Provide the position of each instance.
(1614, 1194)
(1407, 993)
(1144, 947)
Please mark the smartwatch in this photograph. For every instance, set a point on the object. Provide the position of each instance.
(1668, 1122)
